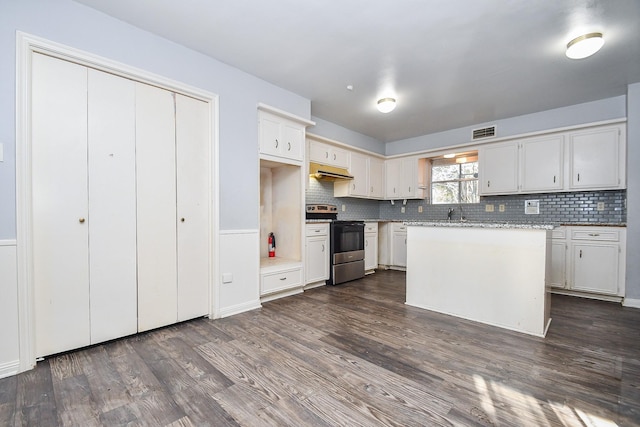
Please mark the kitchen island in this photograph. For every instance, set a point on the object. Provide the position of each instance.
(496, 274)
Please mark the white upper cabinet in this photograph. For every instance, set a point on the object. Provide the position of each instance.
(587, 159)
(368, 178)
(281, 136)
(320, 152)
(359, 170)
(498, 168)
(541, 164)
(376, 178)
(404, 178)
(596, 158)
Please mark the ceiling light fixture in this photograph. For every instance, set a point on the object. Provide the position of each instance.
(386, 105)
(584, 46)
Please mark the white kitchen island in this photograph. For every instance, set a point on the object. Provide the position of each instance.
(496, 274)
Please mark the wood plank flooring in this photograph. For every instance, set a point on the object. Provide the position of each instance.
(350, 355)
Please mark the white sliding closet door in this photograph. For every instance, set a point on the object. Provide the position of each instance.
(112, 206)
(59, 203)
(192, 145)
(156, 209)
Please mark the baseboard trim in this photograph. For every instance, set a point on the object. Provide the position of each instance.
(239, 308)
(631, 302)
(10, 368)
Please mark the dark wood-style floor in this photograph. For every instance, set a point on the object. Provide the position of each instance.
(351, 355)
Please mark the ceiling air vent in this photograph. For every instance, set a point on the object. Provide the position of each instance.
(484, 132)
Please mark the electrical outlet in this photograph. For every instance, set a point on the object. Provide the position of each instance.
(344, 208)
(419, 209)
(402, 209)
(600, 206)
(501, 208)
(488, 208)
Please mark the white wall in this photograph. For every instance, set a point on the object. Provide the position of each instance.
(338, 133)
(9, 354)
(633, 195)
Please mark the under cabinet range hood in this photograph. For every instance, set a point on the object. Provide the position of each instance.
(328, 173)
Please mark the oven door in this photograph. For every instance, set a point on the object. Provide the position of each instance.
(347, 237)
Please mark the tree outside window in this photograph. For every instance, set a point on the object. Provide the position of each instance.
(453, 183)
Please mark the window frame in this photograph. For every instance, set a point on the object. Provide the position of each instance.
(460, 180)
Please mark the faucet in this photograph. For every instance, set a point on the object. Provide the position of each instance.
(450, 214)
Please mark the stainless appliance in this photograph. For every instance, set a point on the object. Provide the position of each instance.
(347, 251)
(319, 211)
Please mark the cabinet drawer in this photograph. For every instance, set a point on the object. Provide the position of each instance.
(370, 227)
(321, 229)
(275, 282)
(559, 233)
(605, 234)
(399, 227)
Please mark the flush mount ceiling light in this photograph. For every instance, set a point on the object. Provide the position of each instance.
(584, 46)
(386, 105)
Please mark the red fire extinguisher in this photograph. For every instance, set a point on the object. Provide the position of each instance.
(272, 245)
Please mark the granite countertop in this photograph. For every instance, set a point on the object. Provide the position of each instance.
(471, 224)
(315, 221)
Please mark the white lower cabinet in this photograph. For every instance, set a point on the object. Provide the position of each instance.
(392, 240)
(594, 260)
(399, 246)
(317, 253)
(370, 247)
(281, 280)
(558, 258)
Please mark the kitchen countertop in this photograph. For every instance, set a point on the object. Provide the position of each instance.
(471, 224)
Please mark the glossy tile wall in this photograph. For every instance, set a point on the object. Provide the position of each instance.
(581, 207)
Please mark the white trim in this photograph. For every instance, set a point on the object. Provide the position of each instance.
(26, 44)
(240, 308)
(9, 368)
(8, 242)
(631, 302)
(234, 232)
(285, 114)
(319, 138)
(587, 295)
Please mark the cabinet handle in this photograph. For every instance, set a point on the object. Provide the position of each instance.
(277, 142)
(326, 154)
(317, 231)
(409, 189)
(323, 247)
(81, 220)
(181, 219)
(594, 234)
(372, 189)
(283, 278)
(354, 186)
(366, 243)
(488, 184)
(554, 179)
(288, 146)
(334, 156)
(580, 253)
(578, 177)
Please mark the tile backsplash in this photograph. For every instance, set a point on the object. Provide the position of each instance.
(578, 207)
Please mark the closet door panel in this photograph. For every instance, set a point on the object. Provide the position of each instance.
(192, 147)
(156, 207)
(112, 206)
(60, 210)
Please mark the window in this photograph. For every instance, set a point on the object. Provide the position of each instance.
(454, 180)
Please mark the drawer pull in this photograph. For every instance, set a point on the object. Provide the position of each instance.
(594, 234)
(283, 278)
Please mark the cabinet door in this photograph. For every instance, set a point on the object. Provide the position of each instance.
(498, 168)
(112, 206)
(156, 208)
(317, 265)
(292, 141)
(376, 178)
(370, 251)
(339, 157)
(60, 206)
(393, 178)
(270, 142)
(408, 178)
(192, 180)
(595, 268)
(358, 168)
(399, 251)
(594, 161)
(319, 152)
(558, 263)
(541, 163)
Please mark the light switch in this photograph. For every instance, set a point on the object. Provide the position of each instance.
(488, 208)
(600, 206)
(419, 209)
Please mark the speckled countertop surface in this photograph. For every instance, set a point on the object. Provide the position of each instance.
(470, 224)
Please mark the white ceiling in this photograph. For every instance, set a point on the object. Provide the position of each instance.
(450, 63)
